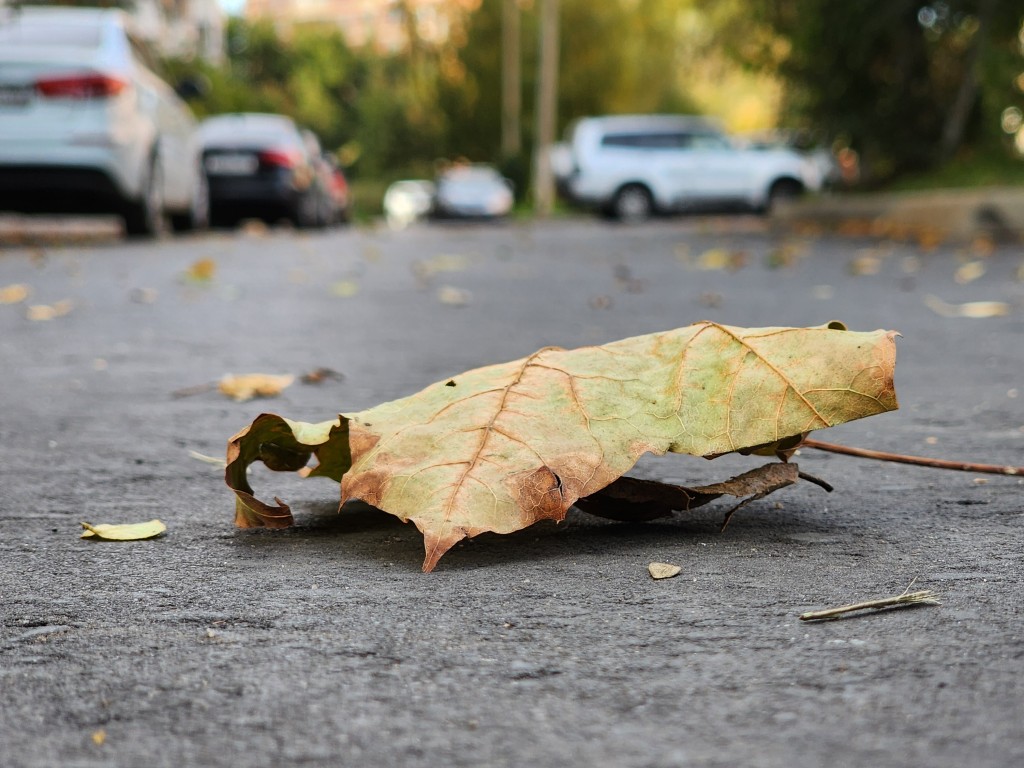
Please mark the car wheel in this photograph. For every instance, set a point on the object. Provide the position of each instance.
(198, 216)
(304, 214)
(782, 191)
(144, 217)
(632, 204)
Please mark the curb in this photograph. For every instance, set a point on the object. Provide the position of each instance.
(960, 215)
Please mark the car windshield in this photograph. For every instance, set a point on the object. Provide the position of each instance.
(29, 32)
(235, 130)
(470, 175)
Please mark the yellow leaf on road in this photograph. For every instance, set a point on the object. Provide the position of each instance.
(43, 312)
(13, 294)
(969, 272)
(124, 532)
(249, 385)
(974, 310)
(202, 271)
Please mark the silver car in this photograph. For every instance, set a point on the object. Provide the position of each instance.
(86, 126)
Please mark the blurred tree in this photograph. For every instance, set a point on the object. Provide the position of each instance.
(906, 84)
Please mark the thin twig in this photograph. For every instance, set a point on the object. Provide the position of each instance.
(921, 597)
(921, 461)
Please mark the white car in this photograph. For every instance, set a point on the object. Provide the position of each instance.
(86, 126)
(632, 166)
(408, 201)
(472, 191)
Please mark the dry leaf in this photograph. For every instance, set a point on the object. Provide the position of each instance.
(124, 532)
(663, 570)
(969, 272)
(13, 294)
(502, 447)
(320, 375)
(454, 297)
(721, 258)
(865, 264)
(44, 312)
(972, 309)
(345, 289)
(202, 271)
(99, 737)
(249, 385)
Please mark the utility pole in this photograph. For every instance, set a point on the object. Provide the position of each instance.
(511, 81)
(546, 109)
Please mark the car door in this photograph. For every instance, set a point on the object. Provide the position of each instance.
(721, 172)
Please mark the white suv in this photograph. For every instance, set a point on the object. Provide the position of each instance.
(631, 166)
(87, 127)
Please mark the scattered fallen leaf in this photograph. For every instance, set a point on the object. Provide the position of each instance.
(454, 297)
(201, 271)
(426, 269)
(983, 245)
(928, 239)
(123, 532)
(13, 294)
(44, 312)
(865, 264)
(969, 272)
(785, 255)
(663, 570)
(974, 310)
(345, 289)
(99, 737)
(255, 228)
(502, 447)
(721, 258)
(320, 375)
(249, 385)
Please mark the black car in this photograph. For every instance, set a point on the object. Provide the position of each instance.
(263, 166)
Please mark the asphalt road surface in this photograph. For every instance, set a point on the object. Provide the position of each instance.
(324, 645)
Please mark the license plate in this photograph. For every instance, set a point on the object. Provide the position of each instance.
(15, 95)
(232, 165)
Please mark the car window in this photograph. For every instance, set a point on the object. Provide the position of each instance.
(24, 32)
(709, 141)
(648, 140)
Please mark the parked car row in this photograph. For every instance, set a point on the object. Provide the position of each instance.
(460, 191)
(263, 165)
(88, 126)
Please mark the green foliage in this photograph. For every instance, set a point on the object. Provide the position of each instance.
(907, 84)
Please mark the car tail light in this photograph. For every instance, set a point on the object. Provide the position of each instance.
(86, 85)
(279, 158)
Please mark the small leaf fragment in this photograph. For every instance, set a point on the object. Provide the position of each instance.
(44, 312)
(663, 570)
(201, 270)
(99, 737)
(249, 385)
(454, 297)
(345, 289)
(123, 532)
(13, 294)
(974, 310)
(969, 272)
